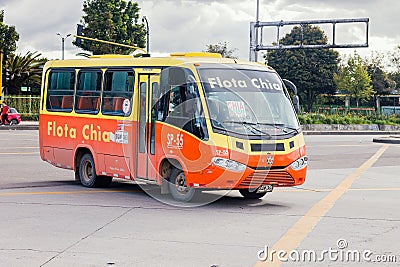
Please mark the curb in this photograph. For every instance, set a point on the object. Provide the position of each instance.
(387, 140)
(351, 132)
(19, 127)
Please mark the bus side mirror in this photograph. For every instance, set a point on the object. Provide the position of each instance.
(296, 102)
(290, 86)
(191, 94)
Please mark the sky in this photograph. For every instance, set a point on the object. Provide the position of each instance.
(190, 25)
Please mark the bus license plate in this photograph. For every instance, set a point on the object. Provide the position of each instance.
(265, 188)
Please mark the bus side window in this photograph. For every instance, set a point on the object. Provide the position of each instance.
(154, 110)
(88, 91)
(54, 102)
(162, 104)
(180, 102)
(177, 98)
(194, 108)
(118, 88)
(60, 90)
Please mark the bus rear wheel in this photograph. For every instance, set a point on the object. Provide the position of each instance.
(87, 173)
(251, 193)
(178, 187)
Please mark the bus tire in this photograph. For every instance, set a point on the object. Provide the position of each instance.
(76, 176)
(247, 194)
(178, 188)
(87, 171)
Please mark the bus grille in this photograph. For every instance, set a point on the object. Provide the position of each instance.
(274, 177)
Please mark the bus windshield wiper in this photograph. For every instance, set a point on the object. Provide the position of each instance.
(292, 129)
(218, 127)
(281, 126)
(250, 126)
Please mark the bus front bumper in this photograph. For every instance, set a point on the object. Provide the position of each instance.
(215, 177)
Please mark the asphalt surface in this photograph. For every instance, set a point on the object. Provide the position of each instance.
(348, 203)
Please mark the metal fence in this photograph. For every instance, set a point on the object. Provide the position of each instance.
(27, 106)
(390, 110)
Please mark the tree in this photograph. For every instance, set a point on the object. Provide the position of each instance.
(8, 40)
(222, 48)
(24, 71)
(111, 20)
(380, 80)
(353, 78)
(310, 69)
(395, 58)
(395, 77)
(8, 36)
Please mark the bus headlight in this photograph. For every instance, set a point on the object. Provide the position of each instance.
(229, 164)
(300, 163)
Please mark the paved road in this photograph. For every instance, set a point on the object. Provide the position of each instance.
(351, 195)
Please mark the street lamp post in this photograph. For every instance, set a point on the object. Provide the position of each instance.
(144, 19)
(63, 43)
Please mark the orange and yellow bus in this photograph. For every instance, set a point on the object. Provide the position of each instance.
(187, 122)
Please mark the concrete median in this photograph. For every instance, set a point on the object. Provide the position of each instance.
(388, 139)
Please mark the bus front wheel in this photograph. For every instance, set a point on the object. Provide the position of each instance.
(87, 173)
(248, 194)
(178, 187)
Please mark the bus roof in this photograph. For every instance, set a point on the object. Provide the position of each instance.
(128, 60)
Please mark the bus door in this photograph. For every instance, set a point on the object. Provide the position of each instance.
(149, 84)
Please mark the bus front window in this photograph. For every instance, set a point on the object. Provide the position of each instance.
(248, 102)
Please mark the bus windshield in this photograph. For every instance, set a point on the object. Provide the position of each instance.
(248, 102)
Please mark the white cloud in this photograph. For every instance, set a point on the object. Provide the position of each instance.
(189, 25)
(38, 22)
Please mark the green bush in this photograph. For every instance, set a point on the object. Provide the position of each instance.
(350, 118)
(29, 117)
(302, 119)
(394, 119)
(380, 122)
(329, 120)
(27, 106)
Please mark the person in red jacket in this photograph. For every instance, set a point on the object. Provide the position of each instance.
(4, 113)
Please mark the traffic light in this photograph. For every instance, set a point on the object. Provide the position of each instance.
(79, 30)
